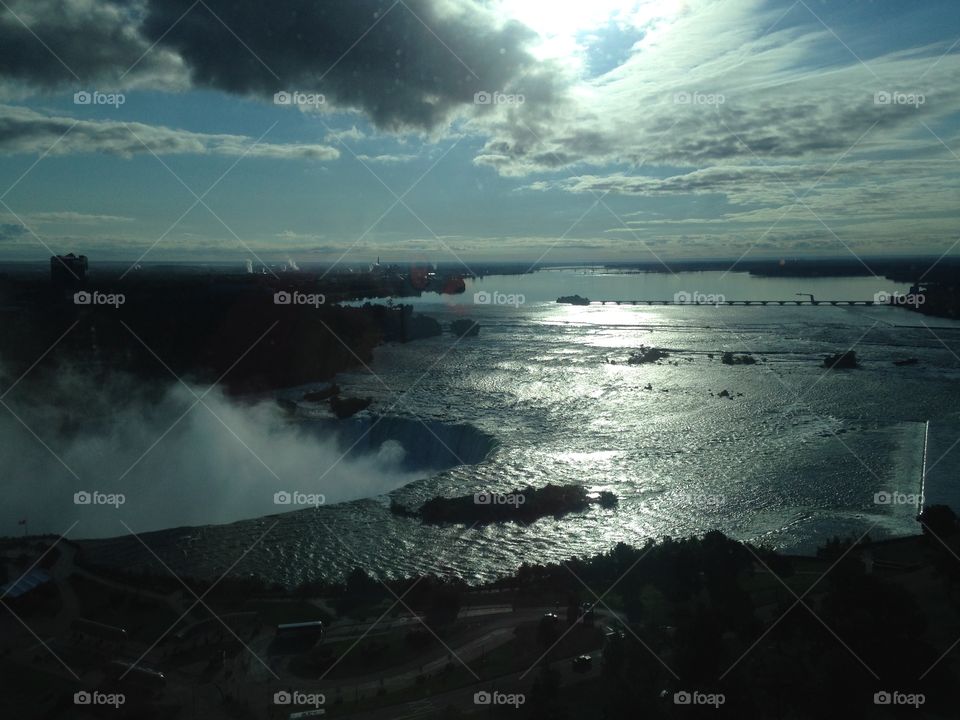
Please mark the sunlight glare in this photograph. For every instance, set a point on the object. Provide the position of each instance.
(561, 25)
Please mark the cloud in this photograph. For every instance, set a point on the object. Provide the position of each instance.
(719, 114)
(737, 181)
(27, 131)
(11, 232)
(62, 43)
(217, 462)
(408, 65)
(715, 87)
(739, 126)
(75, 218)
(387, 159)
(351, 133)
(292, 239)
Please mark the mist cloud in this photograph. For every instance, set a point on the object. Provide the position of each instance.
(208, 467)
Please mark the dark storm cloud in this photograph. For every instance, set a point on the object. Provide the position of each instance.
(408, 64)
(416, 62)
(50, 43)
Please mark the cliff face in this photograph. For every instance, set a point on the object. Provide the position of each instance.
(442, 446)
(406, 326)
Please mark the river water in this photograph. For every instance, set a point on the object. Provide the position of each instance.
(544, 394)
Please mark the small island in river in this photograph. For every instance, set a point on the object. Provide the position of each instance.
(521, 505)
(573, 300)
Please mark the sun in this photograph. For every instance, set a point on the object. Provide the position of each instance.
(564, 26)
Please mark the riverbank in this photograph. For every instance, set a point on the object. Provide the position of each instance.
(251, 333)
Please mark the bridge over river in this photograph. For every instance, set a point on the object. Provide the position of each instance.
(733, 302)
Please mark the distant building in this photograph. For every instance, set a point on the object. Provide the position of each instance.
(68, 269)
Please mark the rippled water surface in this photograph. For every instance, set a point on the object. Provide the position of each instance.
(794, 455)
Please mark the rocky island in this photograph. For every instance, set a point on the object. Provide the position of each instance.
(647, 355)
(730, 358)
(523, 505)
(842, 361)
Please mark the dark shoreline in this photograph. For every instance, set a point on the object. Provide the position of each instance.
(248, 331)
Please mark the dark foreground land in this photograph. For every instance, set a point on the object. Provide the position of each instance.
(863, 630)
(252, 332)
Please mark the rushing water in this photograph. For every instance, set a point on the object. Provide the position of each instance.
(795, 455)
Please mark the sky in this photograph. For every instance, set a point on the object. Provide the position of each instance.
(451, 130)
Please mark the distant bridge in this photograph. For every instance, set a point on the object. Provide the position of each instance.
(734, 302)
